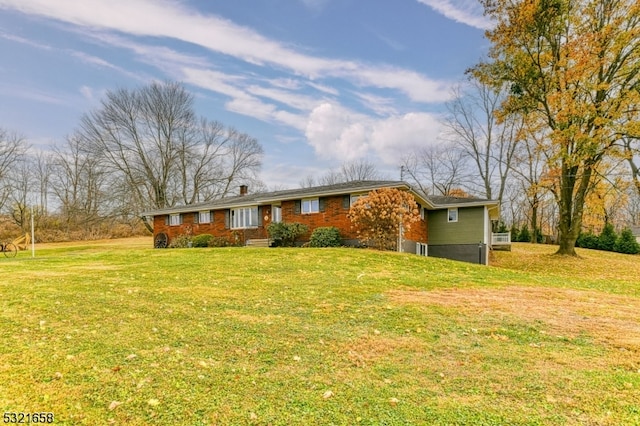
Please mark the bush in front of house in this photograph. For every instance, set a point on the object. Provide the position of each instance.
(285, 234)
(626, 243)
(202, 240)
(181, 241)
(325, 236)
(220, 242)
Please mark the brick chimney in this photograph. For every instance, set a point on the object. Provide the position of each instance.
(244, 189)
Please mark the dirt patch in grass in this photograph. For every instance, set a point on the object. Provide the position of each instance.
(611, 319)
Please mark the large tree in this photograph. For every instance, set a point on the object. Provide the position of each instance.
(575, 66)
(162, 152)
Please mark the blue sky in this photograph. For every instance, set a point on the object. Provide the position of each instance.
(317, 82)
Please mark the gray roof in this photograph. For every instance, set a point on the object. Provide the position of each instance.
(318, 191)
(447, 200)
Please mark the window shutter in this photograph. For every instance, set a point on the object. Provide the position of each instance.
(346, 201)
(180, 218)
(211, 216)
(322, 204)
(227, 218)
(166, 220)
(196, 217)
(259, 215)
(298, 207)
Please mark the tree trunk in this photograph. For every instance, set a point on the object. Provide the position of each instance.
(567, 245)
(534, 219)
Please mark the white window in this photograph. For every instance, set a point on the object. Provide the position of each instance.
(453, 215)
(245, 217)
(175, 219)
(423, 213)
(310, 206)
(276, 214)
(204, 217)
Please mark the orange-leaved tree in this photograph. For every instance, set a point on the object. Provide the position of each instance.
(381, 216)
(572, 66)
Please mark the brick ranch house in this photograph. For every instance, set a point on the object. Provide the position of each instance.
(450, 227)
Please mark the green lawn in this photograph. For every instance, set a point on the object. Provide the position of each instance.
(118, 333)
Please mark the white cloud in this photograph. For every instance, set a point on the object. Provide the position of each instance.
(292, 99)
(378, 104)
(150, 17)
(468, 12)
(22, 40)
(338, 133)
(395, 136)
(415, 86)
(244, 102)
(87, 93)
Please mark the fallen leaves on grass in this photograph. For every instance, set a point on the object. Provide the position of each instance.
(608, 318)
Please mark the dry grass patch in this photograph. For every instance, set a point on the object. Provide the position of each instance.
(610, 319)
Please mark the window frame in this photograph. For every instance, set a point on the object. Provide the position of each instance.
(243, 217)
(177, 222)
(311, 202)
(276, 217)
(209, 216)
(450, 211)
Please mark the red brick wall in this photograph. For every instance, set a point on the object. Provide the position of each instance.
(333, 215)
(217, 227)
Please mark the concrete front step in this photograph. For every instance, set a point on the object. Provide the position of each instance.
(258, 242)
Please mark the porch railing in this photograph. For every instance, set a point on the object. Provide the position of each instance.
(501, 238)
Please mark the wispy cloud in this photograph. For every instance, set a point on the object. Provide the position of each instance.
(468, 12)
(150, 18)
(315, 5)
(33, 94)
(25, 41)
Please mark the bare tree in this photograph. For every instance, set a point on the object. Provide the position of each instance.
(359, 170)
(347, 172)
(42, 165)
(487, 140)
(162, 153)
(437, 169)
(80, 184)
(12, 150)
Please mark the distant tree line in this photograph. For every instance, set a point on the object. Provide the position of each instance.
(141, 149)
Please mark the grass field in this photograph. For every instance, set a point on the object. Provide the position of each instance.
(117, 333)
